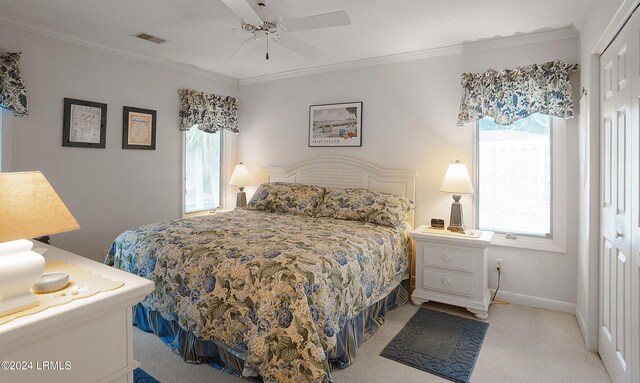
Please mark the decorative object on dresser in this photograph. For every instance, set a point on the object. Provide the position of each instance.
(29, 207)
(437, 223)
(240, 178)
(456, 181)
(138, 128)
(335, 124)
(452, 269)
(84, 124)
(86, 340)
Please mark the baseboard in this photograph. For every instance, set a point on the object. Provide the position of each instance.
(590, 344)
(581, 324)
(541, 303)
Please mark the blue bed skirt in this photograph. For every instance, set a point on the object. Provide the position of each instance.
(195, 350)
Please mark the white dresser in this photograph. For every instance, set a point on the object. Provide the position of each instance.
(84, 341)
(453, 270)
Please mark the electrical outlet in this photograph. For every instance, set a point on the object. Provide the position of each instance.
(500, 264)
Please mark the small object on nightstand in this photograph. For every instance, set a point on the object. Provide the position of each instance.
(456, 229)
(240, 178)
(437, 223)
(456, 181)
(51, 282)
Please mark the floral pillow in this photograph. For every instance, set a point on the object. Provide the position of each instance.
(283, 197)
(297, 198)
(263, 198)
(13, 95)
(365, 205)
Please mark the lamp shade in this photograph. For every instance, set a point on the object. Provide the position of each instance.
(240, 176)
(457, 180)
(29, 207)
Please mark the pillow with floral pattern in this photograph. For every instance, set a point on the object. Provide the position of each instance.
(284, 197)
(297, 198)
(366, 205)
(13, 95)
(263, 198)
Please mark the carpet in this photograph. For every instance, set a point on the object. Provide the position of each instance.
(141, 376)
(442, 344)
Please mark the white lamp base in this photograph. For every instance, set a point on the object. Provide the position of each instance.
(20, 268)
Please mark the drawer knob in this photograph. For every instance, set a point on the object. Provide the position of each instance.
(446, 282)
(446, 258)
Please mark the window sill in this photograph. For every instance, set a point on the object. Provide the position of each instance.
(529, 243)
(204, 212)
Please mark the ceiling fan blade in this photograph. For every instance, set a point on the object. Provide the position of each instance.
(203, 16)
(248, 46)
(300, 47)
(244, 10)
(326, 20)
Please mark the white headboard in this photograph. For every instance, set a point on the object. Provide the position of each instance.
(342, 171)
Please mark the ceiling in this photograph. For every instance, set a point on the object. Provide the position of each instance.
(378, 27)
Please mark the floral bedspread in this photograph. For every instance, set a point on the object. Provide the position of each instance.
(274, 287)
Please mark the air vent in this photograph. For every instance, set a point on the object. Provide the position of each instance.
(148, 37)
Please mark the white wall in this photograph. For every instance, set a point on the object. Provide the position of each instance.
(409, 121)
(107, 190)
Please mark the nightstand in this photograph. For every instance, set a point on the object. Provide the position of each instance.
(452, 269)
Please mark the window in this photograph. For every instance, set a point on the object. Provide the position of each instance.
(202, 168)
(517, 182)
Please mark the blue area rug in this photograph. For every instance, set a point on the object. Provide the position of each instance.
(140, 376)
(442, 344)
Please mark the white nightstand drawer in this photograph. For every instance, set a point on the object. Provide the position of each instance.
(448, 258)
(458, 284)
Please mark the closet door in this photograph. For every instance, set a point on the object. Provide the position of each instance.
(614, 336)
(634, 25)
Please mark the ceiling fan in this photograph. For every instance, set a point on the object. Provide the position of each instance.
(265, 24)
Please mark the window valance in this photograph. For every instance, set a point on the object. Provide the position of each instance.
(209, 112)
(13, 95)
(509, 95)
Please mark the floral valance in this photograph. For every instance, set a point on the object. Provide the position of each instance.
(510, 95)
(13, 95)
(209, 112)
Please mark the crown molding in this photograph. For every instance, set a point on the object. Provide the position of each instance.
(87, 43)
(466, 47)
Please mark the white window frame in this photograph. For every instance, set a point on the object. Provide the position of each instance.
(558, 241)
(184, 178)
(5, 140)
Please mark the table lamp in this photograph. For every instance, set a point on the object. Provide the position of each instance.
(240, 178)
(456, 181)
(29, 207)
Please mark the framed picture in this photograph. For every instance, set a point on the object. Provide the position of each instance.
(138, 128)
(335, 124)
(84, 124)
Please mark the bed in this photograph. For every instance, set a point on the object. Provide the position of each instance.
(291, 285)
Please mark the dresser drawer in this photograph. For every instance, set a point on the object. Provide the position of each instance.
(452, 283)
(448, 258)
